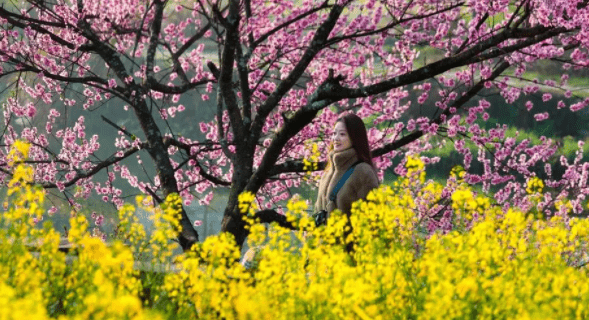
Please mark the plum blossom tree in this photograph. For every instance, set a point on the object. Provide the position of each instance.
(279, 72)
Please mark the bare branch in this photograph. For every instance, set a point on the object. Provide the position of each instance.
(130, 135)
(269, 216)
(191, 41)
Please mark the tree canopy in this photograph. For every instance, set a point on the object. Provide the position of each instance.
(279, 73)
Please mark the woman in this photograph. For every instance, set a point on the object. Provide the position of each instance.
(349, 145)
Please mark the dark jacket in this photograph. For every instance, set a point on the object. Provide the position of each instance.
(362, 180)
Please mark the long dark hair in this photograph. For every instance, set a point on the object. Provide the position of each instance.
(358, 136)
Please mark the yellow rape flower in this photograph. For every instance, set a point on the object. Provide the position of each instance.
(378, 263)
(534, 185)
(458, 172)
(246, 203)
(19, 151)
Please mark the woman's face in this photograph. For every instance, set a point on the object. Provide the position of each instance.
(340, 138)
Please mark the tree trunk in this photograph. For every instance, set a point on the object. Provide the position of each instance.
(159, 153)
(234, 224)
(232, 217)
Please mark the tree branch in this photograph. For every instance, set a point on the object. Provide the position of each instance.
(285, 24)
(472, 55)
(391, 25)
(156, 26)
(202, 171)
(114, 125)
(226, 74)
(191, 41)
(270, 215)
(243, 72)
(291, 127)
(83, 175)
(35, 25)
(474, 90)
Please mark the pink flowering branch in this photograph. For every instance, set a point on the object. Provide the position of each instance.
(196, 163)
(317, 43)
(285, 24)
(80, 175)
(485, 50)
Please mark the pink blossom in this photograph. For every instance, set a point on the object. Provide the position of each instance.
(164, 114)
(88, 92)
(529, 105)
(411, 125)
(422, 98)
(577, 106)
(99, 220)
(31, 111)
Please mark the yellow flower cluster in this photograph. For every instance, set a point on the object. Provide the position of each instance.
(129, 228)
(376, 263)
(310, 164)
(37, 281)
(167, 225)
(535, 185)
(563, 205)
(415, 167)
(19, 151)
(247, 204)
(506, 267)
(458, 172)
(464, 201)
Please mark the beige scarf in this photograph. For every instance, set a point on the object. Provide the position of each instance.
(339, 163)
